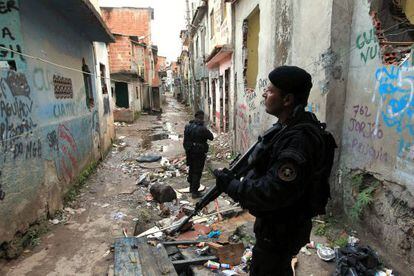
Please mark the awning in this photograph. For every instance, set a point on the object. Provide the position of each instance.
(85, 18)
(219, 53)
(198, 16)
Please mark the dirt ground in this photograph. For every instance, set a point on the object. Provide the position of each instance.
(111, 202)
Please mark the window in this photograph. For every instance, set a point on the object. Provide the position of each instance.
(196, 47)
(223, 10)
(88, 85)
(251, 29)
(103, 78)
(212, 25)
(137, 92)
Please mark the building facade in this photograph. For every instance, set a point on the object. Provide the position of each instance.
(132, 61)
(51, 114)
(359, 54)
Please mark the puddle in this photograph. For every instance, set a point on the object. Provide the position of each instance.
(147, 138)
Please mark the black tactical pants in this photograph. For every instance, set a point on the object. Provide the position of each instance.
(273, 255)
(195, 161)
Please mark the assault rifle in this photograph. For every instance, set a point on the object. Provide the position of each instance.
(239, 167)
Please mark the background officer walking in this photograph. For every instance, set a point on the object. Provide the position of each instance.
(195, 144)
(288, 181)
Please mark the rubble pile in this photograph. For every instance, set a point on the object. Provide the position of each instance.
(221, 147)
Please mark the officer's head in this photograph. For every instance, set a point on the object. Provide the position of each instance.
(289, 87)
(199, 115)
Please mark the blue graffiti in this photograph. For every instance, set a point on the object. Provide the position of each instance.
(396, 91)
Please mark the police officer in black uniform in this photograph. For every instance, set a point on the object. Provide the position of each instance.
(195, 144)
(277, 190)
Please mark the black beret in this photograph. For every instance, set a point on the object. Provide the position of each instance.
(291, 79)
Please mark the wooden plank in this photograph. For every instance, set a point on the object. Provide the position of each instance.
(154, 260)
(183, 242)
(195, 261)
(127, 261)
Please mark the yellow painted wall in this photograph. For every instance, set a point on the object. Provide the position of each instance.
(253, 48)
(408, 7)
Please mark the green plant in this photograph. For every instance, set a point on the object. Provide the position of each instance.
(137, 114)
(356, 181)
(79, 182)
(364, 198)
(341, 241)
(321, 229)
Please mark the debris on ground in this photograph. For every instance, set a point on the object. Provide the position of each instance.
(357, 260)
(149, 158)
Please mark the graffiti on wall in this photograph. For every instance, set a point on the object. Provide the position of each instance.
(16, 122)
(242, 126)
(10, 33)
(364, 129)
(367, 44)
(62, 143)
(65, 109)
(42, 79)
(395, 87)
(313, 107)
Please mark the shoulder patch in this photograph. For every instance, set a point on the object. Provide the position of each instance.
(287, 172)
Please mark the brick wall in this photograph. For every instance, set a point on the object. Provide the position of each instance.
(129, 21)
(120, 54)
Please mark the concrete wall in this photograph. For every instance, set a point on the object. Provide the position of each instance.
(366, 104)
(105, 101)
(249, 115)
(378, 137)
(46, 138)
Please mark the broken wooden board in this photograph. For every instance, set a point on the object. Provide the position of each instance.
(134, 256)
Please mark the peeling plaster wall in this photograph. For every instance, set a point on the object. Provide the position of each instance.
(368, 106)
(249, 114)
(46, 140)
(105, 101)
(378, 136)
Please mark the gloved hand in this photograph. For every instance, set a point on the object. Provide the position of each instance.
(223, 179)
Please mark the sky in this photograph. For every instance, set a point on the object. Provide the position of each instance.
(169, 19)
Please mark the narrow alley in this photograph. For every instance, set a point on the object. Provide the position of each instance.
(111, 202)
(108, 110)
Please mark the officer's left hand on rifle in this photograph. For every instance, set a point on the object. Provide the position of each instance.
(223, 179)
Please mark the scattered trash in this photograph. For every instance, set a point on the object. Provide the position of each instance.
(105, 205)
(54, 221)
(143, 179)
(148, 158)
(353, 240)
(214, 234)
(118, 216)
(152, 233)
(215, 265)
(305, 251)
(149, 197)
(311, 245)
(325, 253)
(202, 251)
(387, 272)
(247, 256)
(356, 260)
(70, 210)
(106, 253)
